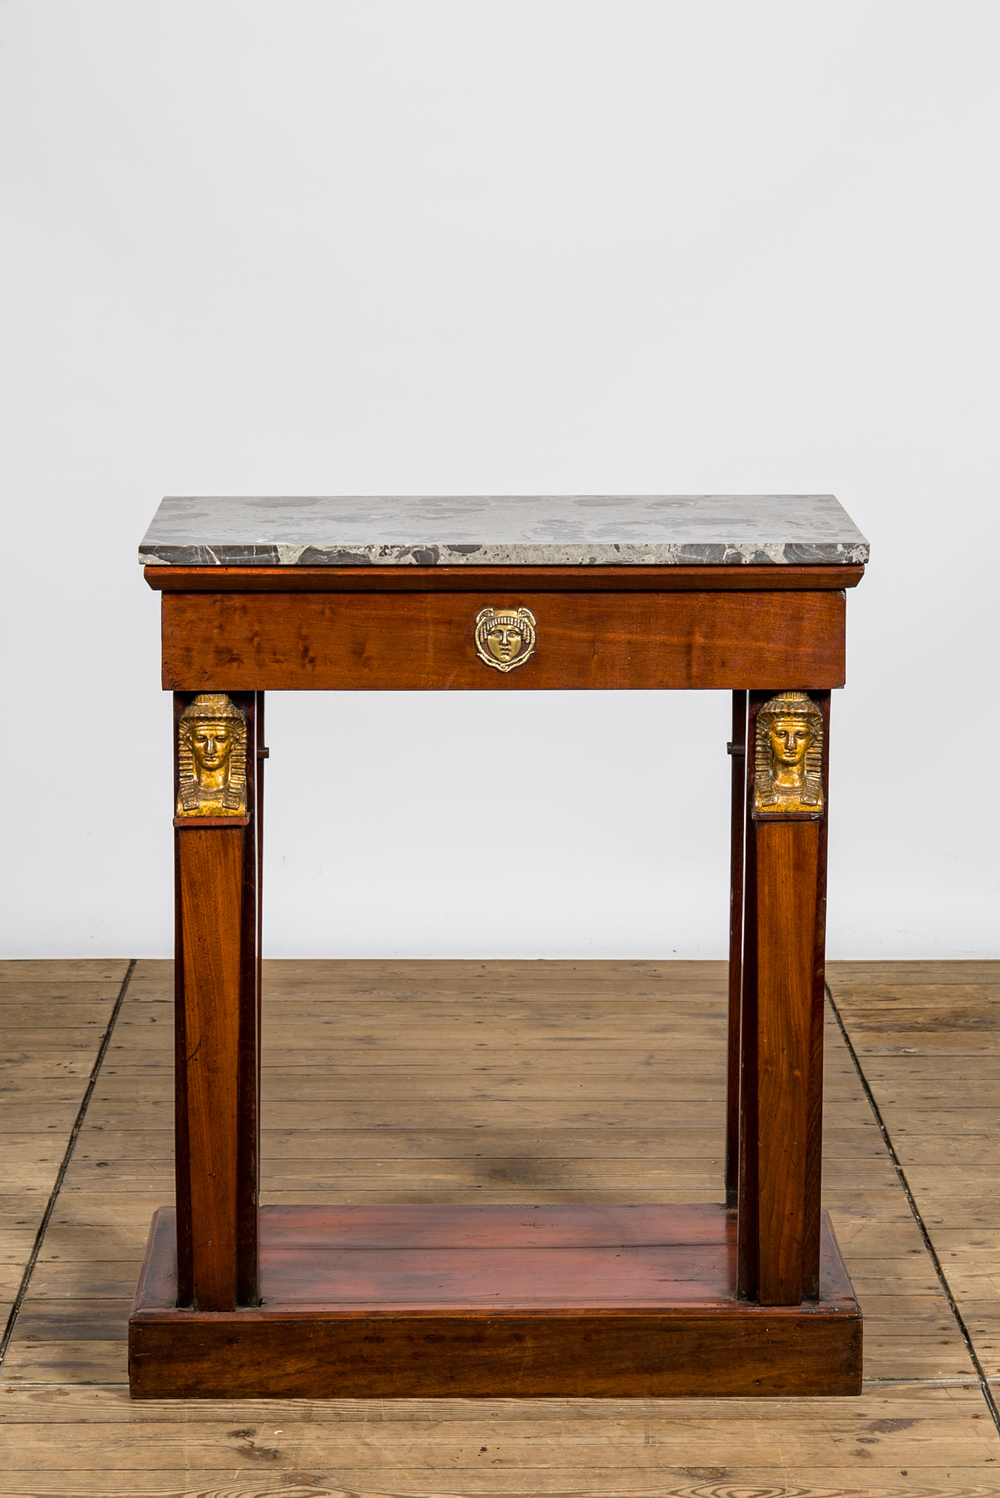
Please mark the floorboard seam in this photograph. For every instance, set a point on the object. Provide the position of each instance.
(981, 1374)
(29, 1268)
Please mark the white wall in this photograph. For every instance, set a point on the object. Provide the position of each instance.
(302, 246)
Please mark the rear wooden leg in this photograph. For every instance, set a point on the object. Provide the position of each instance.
(217, 999)
(782, 1009)
(737, 747)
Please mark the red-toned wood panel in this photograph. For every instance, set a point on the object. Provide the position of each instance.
(464, 1225)
(476, 579)
(440, 1340)
(424, 641)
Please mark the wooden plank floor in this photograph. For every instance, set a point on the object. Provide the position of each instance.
(509, 1082)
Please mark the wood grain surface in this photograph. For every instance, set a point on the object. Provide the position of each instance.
(67, 1426)
(210, 888)
(584, 1301)
(425, 641)
(739, 762)
(787, 856)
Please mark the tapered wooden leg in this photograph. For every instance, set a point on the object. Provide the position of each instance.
(737, 749)
(217, 1050)
(782, 1046)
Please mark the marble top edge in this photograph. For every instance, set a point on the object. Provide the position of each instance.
(503, 530)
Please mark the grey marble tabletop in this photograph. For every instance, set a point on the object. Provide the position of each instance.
(503, 530)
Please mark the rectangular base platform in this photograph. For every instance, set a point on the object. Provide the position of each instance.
(492, 1301)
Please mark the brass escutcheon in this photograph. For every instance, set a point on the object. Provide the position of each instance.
(505, 638)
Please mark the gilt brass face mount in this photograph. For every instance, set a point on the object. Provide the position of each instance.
(788, 758)
(505, 638)
(212, 758)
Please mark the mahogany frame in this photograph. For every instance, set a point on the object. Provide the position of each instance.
(750, 1297)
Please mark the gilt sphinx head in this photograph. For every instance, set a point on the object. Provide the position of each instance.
(788, 761)
(212, 756)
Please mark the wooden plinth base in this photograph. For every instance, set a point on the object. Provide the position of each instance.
(492, 1301)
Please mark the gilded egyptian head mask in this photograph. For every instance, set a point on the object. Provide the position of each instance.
(788, 758)
(212, 755)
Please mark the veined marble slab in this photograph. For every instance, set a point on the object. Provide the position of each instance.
(584, 530)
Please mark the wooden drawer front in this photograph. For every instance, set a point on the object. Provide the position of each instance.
(425, 641)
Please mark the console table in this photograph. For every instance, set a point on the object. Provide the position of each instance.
(502, 594)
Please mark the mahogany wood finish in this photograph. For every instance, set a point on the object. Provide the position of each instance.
(737, 747)
(817, 1000)
(247, 1288)
(217, 1050)
(782, 1056)
(367, 1302)
(588, 1300)
(240, 642)
(248, 1124)
(506, 579)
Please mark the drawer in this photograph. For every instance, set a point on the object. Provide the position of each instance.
(436, 641)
